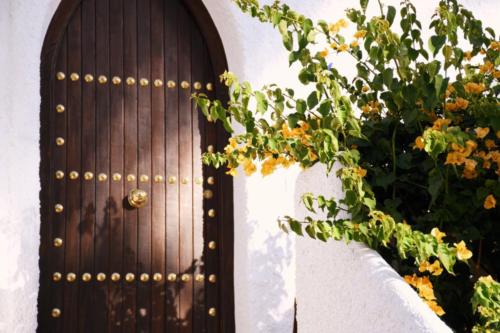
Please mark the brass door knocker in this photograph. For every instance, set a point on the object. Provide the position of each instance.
(137, 198)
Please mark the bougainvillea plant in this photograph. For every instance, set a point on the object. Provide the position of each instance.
(414, 136)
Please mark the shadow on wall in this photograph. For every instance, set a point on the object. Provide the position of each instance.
(18, 279)
(266, 273)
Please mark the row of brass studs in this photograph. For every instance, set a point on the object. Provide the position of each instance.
(56, 313)
(116, 80)
(59, 174)
(130, 277)
(58, 242)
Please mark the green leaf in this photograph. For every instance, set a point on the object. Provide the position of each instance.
(296, 227)
(308, 200)
(391, 13)
(435, 43)
(301, 106)
(447, 256)
(312, 100)
(261, 102)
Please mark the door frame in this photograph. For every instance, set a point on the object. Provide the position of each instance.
(224, 206)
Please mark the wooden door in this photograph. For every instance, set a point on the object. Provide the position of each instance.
(117, 120)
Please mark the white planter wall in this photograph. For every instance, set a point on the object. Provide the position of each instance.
(338, 288)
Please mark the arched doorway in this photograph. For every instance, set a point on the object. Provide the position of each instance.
(117, 125)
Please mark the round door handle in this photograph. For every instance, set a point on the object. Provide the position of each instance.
(137, 198)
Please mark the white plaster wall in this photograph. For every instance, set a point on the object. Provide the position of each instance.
(339, 288)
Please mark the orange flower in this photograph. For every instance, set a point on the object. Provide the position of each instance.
(439, 123)
(360, 34)
(468, 55)
(481, 132)
(488, 67)
(434, 268)
(461, 103)
(490, 144)
(438, 234)
(435, 307)
(324, 53)
(490, 202)
(361, 172)
(354, 44)
(343, 47)
(249, 167)
(455, 158)
(463, 253)
(419, 143)
(366, 88)
(474, 88)
(232, 171)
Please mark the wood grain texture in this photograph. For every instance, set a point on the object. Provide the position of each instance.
(132, 129)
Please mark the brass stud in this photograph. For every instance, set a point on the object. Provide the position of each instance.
(117, 177)
(88, 175)
(210, 180)
(185, 180)
(185, 277)
(116, 80)
(129, 277)
(73, 175)
(212, 245)
(70, 277)
(184, 84)
(59, 174)
(88, 78)
(212, 278)
(130, 81)
(56, 277)
(102, 177)
(144, 277)
(74, 76)
(86, 277)
(144, 178)
(158, 178)
(130, 178)
(171, 84)
(158, 83)
(172, 179)
(58, 208)
(115, 277)
(211, 212)
(56, 313)
(210, 86)
(60, 108)
(59, 141)
(212, 312)
(58, 242)
(60, 76)
(144, 82)
(102, 79)
(157, 277)
(101, 277)
(197, 85)
(199, 180)
(208, 194)
(210, 148)
(172, 277)
(199, 277)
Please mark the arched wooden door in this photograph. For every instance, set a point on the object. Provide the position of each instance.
(117, 76)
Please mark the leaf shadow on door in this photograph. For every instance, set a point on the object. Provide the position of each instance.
(115, 297)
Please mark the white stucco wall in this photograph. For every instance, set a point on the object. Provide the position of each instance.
(339, 288)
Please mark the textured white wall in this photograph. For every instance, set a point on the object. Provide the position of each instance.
(339, 288)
